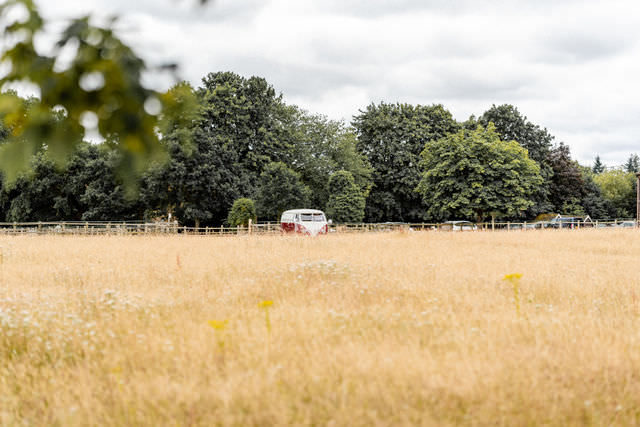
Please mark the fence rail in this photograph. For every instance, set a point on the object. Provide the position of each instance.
(135, 228)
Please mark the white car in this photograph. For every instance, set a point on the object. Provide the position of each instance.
(304, 221)
(460, 225)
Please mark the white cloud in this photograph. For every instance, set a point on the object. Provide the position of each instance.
(570, 66)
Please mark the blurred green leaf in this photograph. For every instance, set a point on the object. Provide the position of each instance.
(103, 78)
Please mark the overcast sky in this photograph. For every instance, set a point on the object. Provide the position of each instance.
(570, 66)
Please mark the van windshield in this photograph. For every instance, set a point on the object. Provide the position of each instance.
(316, 217)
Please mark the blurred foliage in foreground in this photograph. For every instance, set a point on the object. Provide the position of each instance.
(90, 81)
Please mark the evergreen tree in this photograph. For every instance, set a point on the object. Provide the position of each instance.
(632, 164)
(598, 167)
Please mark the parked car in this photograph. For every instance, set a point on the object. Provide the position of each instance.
(605, 225)
(536, 225)
(458, 226)
(304, 221)
(564, 222)
(561, 221)
(626, 224)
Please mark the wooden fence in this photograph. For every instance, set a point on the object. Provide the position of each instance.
(157, 228)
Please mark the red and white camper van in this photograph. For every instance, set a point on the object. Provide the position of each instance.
(304, 221)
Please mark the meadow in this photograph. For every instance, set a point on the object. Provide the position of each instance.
(416, 328)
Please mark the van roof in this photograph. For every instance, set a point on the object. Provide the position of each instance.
(295, 211)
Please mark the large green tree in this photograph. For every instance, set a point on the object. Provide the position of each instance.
(471, 174)
(245, 117)
(217, 157)
(392, 136)
(510, 124)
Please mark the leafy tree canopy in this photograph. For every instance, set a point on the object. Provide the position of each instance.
(245, 116)
(510, 124)
(392, 136)
(470, 174)
(201, 178)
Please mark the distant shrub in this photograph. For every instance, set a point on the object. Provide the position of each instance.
(241, 212)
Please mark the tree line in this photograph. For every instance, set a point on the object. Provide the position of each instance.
(393, 162)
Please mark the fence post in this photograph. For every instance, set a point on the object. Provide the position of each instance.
(249, 225)
(508, 225)
(39, 227)
(524, 226)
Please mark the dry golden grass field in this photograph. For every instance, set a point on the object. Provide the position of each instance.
(364, 329)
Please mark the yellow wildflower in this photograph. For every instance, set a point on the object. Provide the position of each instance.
(218, 325)
(265, 304)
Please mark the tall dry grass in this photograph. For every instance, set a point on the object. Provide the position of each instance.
(370, 329)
